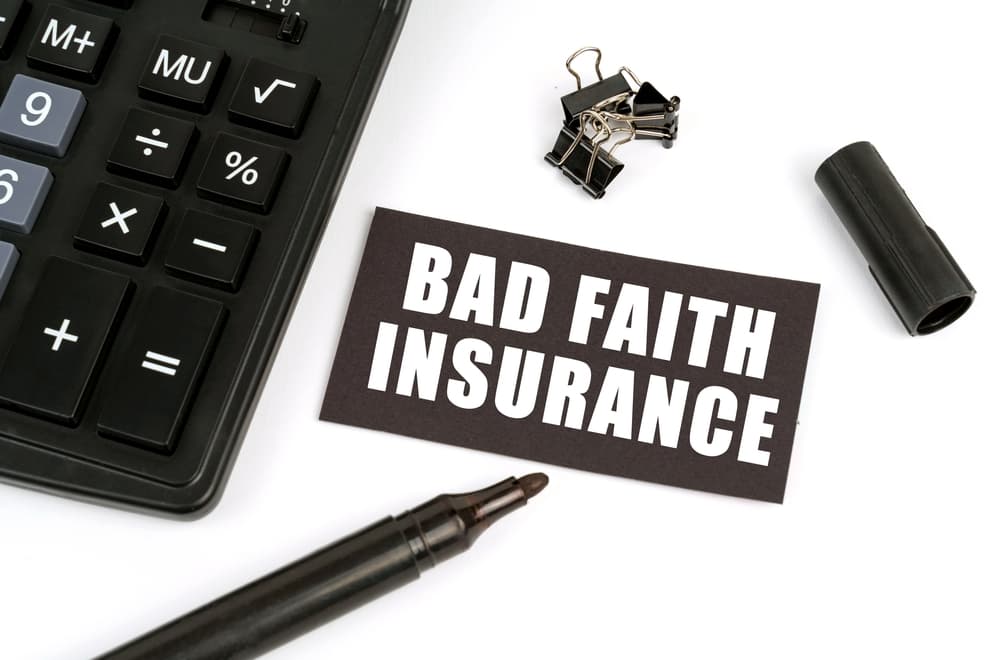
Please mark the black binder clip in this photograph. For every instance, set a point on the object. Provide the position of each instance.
(607, 93)
(582, 159)
(595, 113)
(654, 115)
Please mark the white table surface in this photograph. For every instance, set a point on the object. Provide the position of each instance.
(886, 546)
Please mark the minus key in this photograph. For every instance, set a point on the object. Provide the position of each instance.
(211, 250)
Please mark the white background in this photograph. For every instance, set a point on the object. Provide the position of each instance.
(886, 546)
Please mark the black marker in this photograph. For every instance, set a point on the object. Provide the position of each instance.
(335, 580)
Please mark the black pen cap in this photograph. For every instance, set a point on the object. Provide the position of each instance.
(910, 263)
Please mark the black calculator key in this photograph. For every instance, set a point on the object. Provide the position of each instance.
(64, 335)
(183, 73)
(72, 43)
(12, 13)
(8, 259)
(121, 4)
(273, 98)
(211, 250)
(157, 373)
(243, 173)
(120, 223)
(153, 148)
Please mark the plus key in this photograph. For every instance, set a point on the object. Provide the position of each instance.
(64, 334)
(61, 335)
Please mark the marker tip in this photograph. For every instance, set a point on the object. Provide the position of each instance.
(533, 484)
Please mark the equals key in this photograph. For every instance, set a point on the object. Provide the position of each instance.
(157, 374)
(159, 363)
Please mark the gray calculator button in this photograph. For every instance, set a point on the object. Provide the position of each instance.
(23, 189)
(40, 115)
(8, 259)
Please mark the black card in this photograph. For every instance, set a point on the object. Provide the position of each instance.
(646, 369)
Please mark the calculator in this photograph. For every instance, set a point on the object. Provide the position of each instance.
(167, 168)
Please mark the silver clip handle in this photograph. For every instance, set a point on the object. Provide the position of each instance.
(597, 64)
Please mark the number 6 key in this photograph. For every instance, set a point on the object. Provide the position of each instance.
(23, 189)
(40, 115)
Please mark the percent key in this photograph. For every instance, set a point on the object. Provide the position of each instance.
(243, 173)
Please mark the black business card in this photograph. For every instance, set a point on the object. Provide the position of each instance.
(646, 369)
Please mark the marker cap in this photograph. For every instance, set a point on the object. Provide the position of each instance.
(913, 267)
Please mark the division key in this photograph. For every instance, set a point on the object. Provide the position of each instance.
(66, 328)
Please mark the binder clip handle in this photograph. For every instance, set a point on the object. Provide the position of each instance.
(632, 133)
(631, 74)
(597, 64)
(605, 93)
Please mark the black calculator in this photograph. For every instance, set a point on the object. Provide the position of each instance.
(167, 168)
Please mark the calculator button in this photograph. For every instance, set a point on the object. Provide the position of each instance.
(121, 4)
(72, 43)
(157, 374)
(8, 259)
(273, 99)
(183, 73)
(120, 223)
(23, 189)
(211, 250)
(63, 337)
(243, 173)
(40, 116)
(12, 13)
(153, 148)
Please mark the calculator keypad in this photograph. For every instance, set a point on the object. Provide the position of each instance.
(120, 223)
(183, 73)
(72, 43)
(153, 147)
(273, 99)
(71, 320)
(197, 180)
(23, 189)
(64, 334)
(40, 115)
